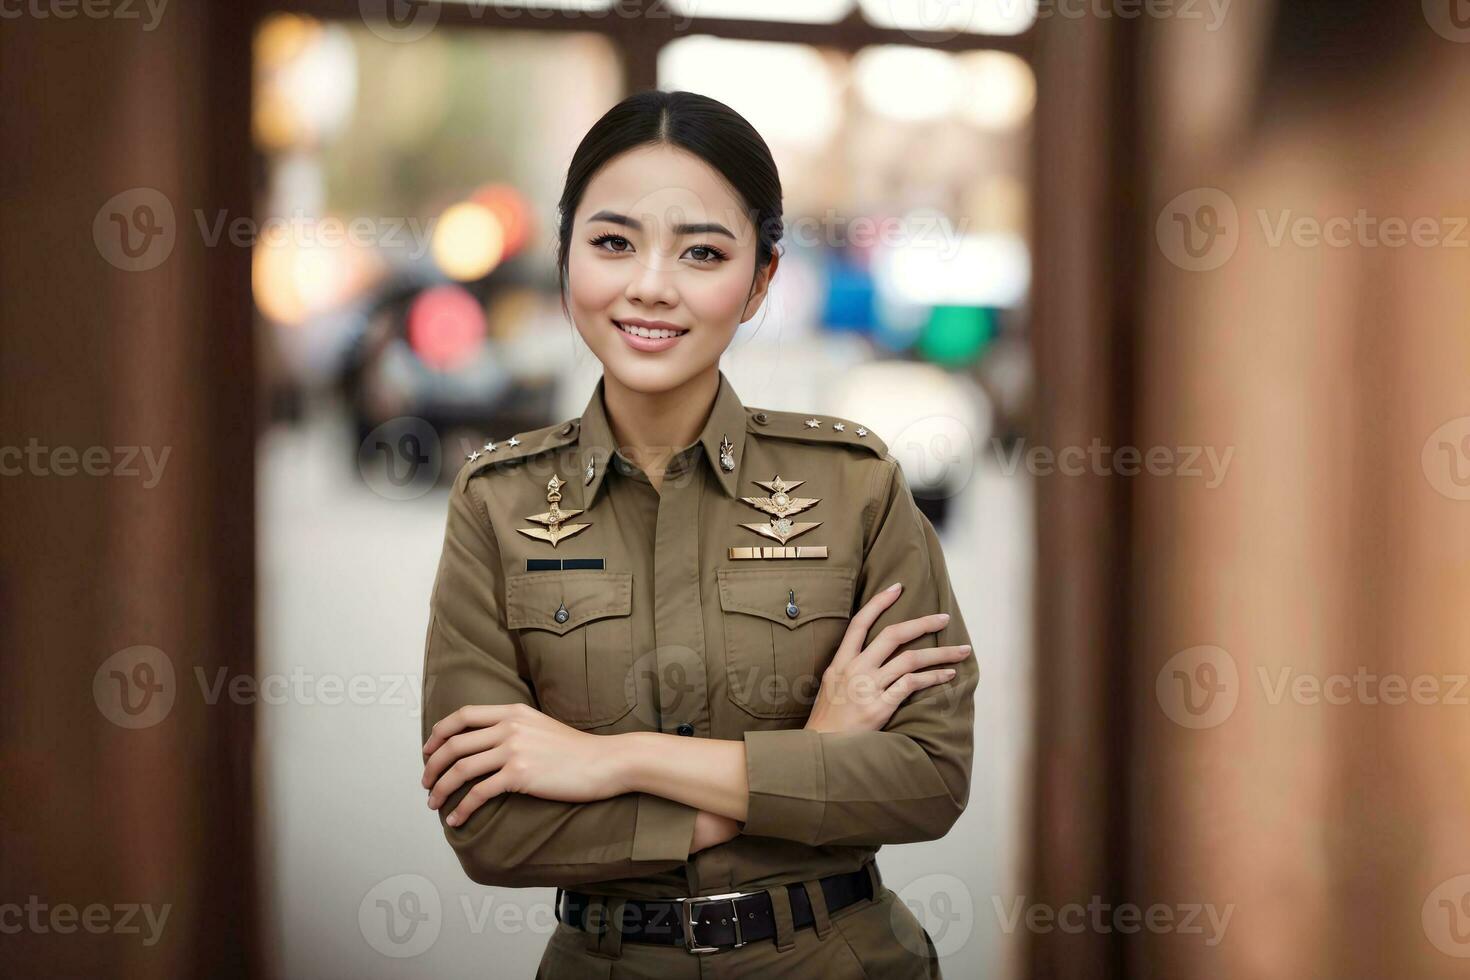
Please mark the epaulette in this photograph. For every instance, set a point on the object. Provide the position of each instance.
(827, 429)
(507, 452)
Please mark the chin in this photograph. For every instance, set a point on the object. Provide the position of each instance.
(648, 377)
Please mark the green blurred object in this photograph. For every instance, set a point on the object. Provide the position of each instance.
(957, 335)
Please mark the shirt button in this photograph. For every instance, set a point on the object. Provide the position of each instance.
(566, 430)
(762, 417)
(685, 729)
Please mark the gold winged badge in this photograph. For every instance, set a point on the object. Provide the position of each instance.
(556, 529)
(781, 506)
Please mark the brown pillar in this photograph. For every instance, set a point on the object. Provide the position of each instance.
(126, 504)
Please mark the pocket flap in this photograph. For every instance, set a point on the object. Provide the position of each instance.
(765, 592)
(532, 598)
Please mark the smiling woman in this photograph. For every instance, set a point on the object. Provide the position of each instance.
(730, 688)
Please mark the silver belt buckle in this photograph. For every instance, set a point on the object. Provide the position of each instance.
(687, 919)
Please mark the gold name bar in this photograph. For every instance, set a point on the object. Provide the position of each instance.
(782, 551)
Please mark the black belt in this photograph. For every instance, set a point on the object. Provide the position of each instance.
(706, 923)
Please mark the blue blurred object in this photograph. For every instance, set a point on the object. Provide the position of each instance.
(850, 290)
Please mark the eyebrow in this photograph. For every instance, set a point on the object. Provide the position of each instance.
(695, 229)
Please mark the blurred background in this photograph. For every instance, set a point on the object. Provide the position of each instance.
(1160, 305)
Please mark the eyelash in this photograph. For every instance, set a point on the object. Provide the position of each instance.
(716, 255)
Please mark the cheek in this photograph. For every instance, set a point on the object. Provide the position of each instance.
(718, 298)
(593, 286)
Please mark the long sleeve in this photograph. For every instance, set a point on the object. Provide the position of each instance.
(471, 658)
(911, 780)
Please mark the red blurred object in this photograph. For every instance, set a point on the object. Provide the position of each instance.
(510, 206)
(445, 326)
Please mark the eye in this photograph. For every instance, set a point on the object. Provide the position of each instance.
(609, 238)
(710, 255)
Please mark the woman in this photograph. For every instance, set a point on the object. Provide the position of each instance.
(645, 676)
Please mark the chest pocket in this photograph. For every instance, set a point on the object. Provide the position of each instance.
(577, 632)
(782, 626)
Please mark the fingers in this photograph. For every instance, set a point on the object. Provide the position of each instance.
(911, 660)
(862, 621)
(466, 743)
(466, 769)
(470, 716)
(890, 638)
(917, 681)
(485, 790)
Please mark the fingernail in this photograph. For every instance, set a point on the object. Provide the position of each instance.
(966, 647)
(948, 673)
(894, 587)
(945, 616)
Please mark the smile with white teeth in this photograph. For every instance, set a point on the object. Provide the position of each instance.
(648, 334)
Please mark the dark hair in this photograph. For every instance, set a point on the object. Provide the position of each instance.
(707, 128)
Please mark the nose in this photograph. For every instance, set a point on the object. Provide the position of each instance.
(652, 282)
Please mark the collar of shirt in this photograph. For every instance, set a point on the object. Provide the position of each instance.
(726, 421)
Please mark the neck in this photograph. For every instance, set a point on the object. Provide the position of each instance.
(651, 426)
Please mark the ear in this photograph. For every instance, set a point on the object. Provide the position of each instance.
(762, 286)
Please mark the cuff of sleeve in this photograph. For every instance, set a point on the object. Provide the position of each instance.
(788, 784)
(663, 830)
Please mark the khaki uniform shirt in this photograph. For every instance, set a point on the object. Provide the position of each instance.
(643, 621)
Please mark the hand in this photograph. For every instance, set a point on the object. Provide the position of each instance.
(527, 751)
(711, 829)
(859, 691)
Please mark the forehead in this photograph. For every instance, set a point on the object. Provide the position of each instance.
(664, 185)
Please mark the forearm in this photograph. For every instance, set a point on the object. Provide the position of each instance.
(705, 773)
